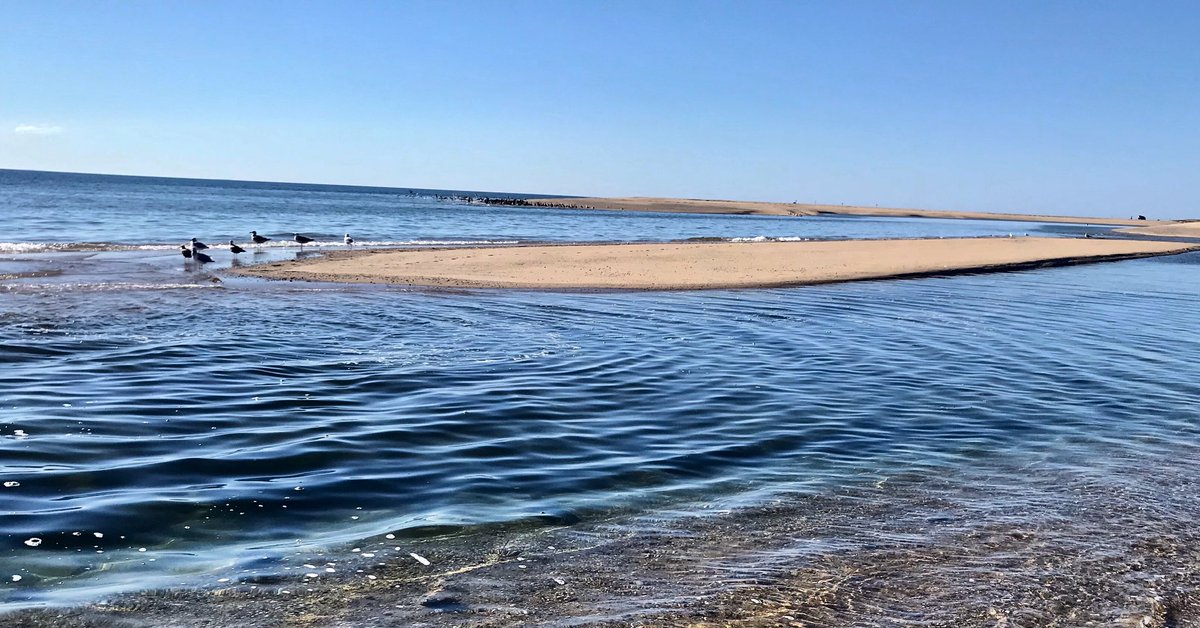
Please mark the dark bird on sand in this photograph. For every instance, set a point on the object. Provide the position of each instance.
(257, 238)
(187, 253)
(235, 249)
(348, 240)
(198, 245)
(203, 258)
(301, 240)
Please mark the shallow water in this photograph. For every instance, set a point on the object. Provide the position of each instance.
(219, 429)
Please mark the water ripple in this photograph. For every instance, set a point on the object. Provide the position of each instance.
(212, 429)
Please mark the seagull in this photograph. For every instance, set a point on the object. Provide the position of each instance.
(198, 245)
(235, 249)
(187, 253)
(348, 240)
(302, 240)
(203, 258)
(257, 238)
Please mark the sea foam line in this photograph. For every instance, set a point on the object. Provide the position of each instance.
(51, 247)
(771, 239)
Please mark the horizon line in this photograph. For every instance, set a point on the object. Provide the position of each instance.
(308, 183)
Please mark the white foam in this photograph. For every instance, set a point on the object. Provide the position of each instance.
(458, 242)
(32, 247)
(105, 287)
(771, 239)
(753, 239)
(52, 247)
(378, 243)
(57, 247)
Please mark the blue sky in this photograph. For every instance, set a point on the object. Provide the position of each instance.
(1065, 107)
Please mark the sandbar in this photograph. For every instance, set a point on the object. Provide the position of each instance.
(1188, 229)
(703, 265)
(705, 206)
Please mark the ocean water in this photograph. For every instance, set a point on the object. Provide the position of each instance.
(162, 425)
(50, 211)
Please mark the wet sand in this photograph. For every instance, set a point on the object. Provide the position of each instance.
(704, 206)
(699, 266)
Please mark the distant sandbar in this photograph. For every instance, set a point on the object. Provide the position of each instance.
(699, 266)
(703, 206)
(1185, 229)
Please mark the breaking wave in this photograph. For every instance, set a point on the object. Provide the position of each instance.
(773, 239)
(62, 247)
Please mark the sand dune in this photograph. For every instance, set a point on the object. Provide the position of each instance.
(699, 206)
(694, 266)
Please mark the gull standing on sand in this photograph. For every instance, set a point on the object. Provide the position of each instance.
(301, 240)
(257, 238)
(198, 245)
(348, 240)
(235, 249)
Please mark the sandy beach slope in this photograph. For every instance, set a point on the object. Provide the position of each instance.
(696, 266)
(1174, 230)
(698, 206)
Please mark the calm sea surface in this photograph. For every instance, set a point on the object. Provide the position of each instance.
(161, 425)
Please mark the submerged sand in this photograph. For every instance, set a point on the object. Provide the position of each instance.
(703, 206)
(697, 266)
(1059, 545)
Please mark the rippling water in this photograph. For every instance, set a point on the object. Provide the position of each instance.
(180, 430)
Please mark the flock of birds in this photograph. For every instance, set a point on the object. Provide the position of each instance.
(194, 249)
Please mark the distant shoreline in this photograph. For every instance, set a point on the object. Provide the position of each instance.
(705, 206)
(703, 266)
(1180, 229)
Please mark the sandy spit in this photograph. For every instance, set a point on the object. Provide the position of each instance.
(704, 206)
(699, 266)
(1189, 229)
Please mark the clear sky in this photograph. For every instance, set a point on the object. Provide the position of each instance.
(1086, 107)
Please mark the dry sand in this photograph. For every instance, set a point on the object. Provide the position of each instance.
(695, 266)
(1189, 229)
(698, 206)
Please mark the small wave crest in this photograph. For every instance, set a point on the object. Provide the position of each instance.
(67, 247)
(37, 247)
(54, 247)
(288, 244)
(100, 286)
(772, 239)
